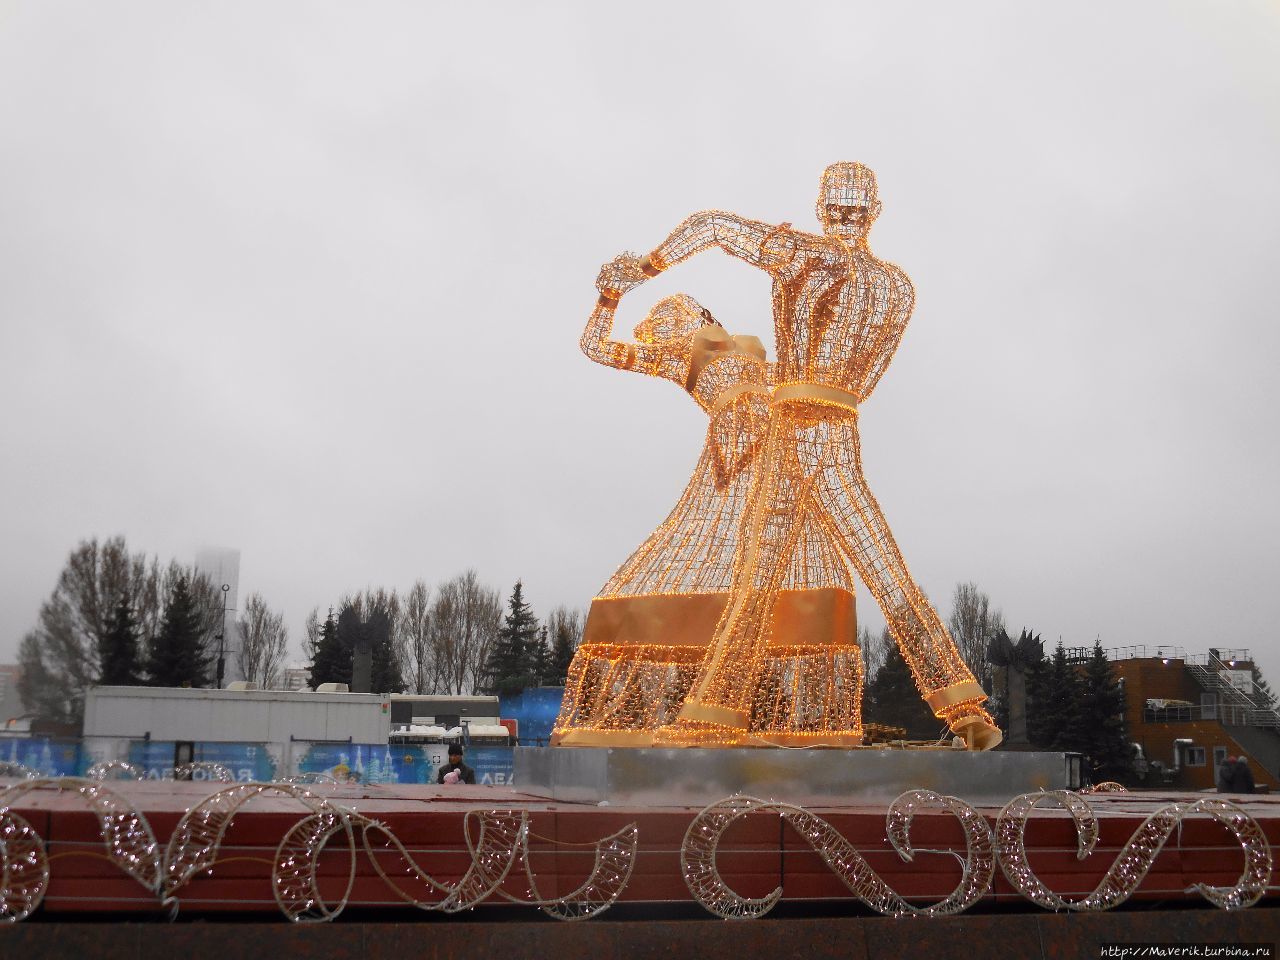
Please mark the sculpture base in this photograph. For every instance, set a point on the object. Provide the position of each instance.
(694, 776)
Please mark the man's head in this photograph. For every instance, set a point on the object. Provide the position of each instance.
(455, 753)
(847, 201)
(672, 318)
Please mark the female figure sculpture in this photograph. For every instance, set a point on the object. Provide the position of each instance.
(648, 629)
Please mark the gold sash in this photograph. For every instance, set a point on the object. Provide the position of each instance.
(801, 618)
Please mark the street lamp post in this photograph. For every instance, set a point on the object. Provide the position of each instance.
(222, 635)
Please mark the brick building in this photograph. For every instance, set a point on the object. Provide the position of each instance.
(1187, 713)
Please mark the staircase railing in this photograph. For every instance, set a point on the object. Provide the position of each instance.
(1209, 676)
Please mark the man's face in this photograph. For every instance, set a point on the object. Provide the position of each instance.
(847, 203)
(849, 219)
(455, 758)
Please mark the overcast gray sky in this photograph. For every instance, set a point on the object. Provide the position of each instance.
(307, 280)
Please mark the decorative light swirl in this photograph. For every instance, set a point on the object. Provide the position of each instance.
(493, 853)
(313, 777)
(1137, 856)
(194, 845)
(496, 843)
(20, 770)
(502, 845)
(615, 857)
(107, 768)
(701, 842)
(24, 868)
(1106, 786)
(294, 879)
(211, 769)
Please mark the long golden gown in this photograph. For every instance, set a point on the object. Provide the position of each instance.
(650, 626)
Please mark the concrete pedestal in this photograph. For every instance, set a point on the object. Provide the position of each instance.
(693, 777)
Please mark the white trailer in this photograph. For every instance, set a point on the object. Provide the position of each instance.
(124, 723)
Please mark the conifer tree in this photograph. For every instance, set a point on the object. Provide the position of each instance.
(1101, 729)
(893, 699)
(540, 660)
(332, 661)
(1262, 692)
(564, 636)
(385, 675)
(178, 655)
(118, 649)
(1053, 713)
(512, 658)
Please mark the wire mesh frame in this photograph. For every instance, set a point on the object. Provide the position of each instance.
(790, 429)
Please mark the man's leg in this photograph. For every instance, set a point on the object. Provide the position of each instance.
(859, 526)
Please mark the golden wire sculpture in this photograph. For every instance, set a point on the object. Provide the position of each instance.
(648, 629)
(778, 509)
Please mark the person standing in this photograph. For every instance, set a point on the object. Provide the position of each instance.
(1242, 777)
(455, 771)
(1226, 773)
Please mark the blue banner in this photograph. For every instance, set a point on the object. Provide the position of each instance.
(246, 761)
(52, 758)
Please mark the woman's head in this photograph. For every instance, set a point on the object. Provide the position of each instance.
(672, 318)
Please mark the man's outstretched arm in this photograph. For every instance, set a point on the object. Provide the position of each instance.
(762, 245)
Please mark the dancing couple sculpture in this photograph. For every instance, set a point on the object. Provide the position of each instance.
(733, 624)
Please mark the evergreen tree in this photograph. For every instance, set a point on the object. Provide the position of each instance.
(511, 664)
(331, 662)
(178, 654)
(1053, 711)
(1262, 695)
(350, 632)
(385, 675)
(541, 658)
(561, 654)
(1101, 730)
(893, 699)
(118, 648)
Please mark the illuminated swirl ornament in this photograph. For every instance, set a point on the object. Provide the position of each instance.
(115, 770)
(10, 769)
(500, 845)
(208, 770)
(24, 866)
(702, 839)
(193, 847)
(1135, 859)
(500, 850)
(1107, 786)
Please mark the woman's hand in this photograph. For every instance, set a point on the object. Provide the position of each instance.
(620, 274)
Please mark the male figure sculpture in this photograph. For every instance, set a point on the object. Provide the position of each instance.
(839, 314)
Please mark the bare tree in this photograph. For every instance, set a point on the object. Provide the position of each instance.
(875, 648)
(311, 627)
(973, 624)
(565, 628)
(61, 656)
(387, 602)
(464, 623)
(415, 626)
(264, 643)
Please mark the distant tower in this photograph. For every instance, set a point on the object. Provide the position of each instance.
(222, 566)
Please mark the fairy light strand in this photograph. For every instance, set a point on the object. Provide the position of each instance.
(710, 634)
